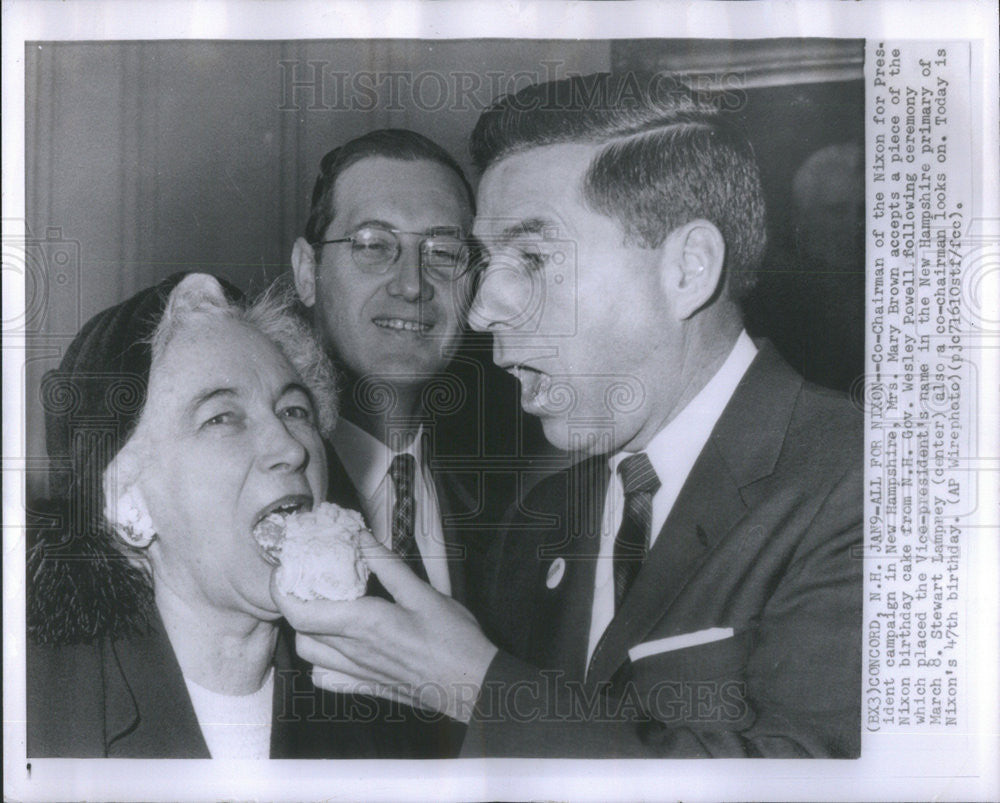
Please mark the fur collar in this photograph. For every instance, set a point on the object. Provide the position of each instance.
(80, 588)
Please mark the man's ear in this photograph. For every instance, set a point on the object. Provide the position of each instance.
(304, 271)
(694, 255)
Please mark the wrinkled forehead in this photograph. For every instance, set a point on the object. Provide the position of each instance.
(208, 351)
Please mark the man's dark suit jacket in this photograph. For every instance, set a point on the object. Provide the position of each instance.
(418, 734)
(764, 538)
(126, 698)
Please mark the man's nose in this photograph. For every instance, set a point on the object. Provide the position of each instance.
(407, 278)
(506, 298)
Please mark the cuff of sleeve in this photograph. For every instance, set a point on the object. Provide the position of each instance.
(497, 704)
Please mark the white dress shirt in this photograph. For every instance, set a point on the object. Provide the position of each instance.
(366, 460)
(673, 452)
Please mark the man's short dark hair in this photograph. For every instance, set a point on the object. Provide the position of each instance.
(391, 143)
(667, 157)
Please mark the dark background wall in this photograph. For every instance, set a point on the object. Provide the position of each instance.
(144, 158)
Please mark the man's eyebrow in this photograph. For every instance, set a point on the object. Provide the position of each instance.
(532, 225)
(373, 223)
(430, 230)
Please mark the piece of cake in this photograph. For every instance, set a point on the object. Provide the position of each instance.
(318, 551)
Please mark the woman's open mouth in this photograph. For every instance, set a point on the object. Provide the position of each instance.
(269, 524)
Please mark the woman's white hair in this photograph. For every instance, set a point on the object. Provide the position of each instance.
(197, 297)
(273, 314)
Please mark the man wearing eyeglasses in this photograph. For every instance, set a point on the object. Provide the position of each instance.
(693, 586)
(385, 270)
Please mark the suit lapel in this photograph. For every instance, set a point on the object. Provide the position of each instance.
(743, 448)
(454, 501)
(340, 489)
(148, 710)
(283, 722)
(705, 511)
(566, 565)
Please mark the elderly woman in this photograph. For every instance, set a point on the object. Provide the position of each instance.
(177, 421)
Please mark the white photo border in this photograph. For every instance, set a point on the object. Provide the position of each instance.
(914, 767)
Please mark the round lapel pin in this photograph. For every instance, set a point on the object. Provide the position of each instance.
(555, 573)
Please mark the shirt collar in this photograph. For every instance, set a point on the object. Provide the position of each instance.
(366, 459)
(675, 448)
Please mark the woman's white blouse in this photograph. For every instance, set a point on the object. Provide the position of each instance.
(235, 726)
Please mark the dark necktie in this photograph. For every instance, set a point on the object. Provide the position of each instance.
(404, 543)
(640, 483)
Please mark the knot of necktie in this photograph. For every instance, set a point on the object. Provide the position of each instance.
(640, 483)
(638, 474)
(401, 471)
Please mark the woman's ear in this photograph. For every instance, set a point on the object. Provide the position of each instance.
(694, 255)
(304, 271)
(125, 505)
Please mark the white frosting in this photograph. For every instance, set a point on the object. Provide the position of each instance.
(320, 556)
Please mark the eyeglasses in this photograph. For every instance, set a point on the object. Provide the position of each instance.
(444, 255)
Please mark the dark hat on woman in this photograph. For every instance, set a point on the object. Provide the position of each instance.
(80, 587)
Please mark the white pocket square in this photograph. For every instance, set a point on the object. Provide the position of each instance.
(672, 643)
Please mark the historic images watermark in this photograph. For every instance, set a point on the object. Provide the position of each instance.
(314, 85)
(552, 698)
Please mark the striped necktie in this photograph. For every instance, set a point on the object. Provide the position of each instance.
(402, 471)
(640, 483)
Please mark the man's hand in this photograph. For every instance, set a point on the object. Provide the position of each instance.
(425, 649)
